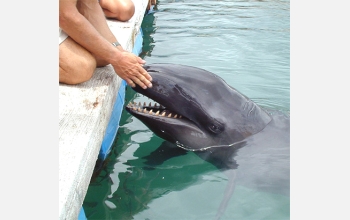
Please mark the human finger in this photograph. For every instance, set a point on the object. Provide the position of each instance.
(142, 82)
(130, 82)
(146, 79)
(140, 60)
(143, 78)
(145, 74)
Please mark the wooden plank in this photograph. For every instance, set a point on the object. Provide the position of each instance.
(84, 113)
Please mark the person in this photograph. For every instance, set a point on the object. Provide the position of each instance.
(86, 42)
(150, 3)
(121, 10)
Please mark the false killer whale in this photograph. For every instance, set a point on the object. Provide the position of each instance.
(198, 111)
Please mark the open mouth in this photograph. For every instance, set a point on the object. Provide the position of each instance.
(152, 109)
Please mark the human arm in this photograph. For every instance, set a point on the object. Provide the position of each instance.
(88, 27)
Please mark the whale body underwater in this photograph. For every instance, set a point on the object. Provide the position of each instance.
(198, 111)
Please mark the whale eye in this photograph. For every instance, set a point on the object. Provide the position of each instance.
(216, 128)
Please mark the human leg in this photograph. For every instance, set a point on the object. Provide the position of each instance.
(121, 10)
(93, 13)
(76, 64)
(78, 19)
(150, 3)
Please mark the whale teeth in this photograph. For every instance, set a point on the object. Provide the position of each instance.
(149, 108)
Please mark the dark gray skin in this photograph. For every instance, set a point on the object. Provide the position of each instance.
(213, 113)
(221, 125)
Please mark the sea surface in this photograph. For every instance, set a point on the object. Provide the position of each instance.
(247, 43)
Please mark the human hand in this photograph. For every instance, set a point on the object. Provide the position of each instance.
(129, 67)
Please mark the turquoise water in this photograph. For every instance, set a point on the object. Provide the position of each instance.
(244, 42)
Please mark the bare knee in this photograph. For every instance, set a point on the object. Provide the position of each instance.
(76, 65)
(80, 73)
(128, 10)
(121, 10)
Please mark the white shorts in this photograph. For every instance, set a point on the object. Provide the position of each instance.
(61, 36)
